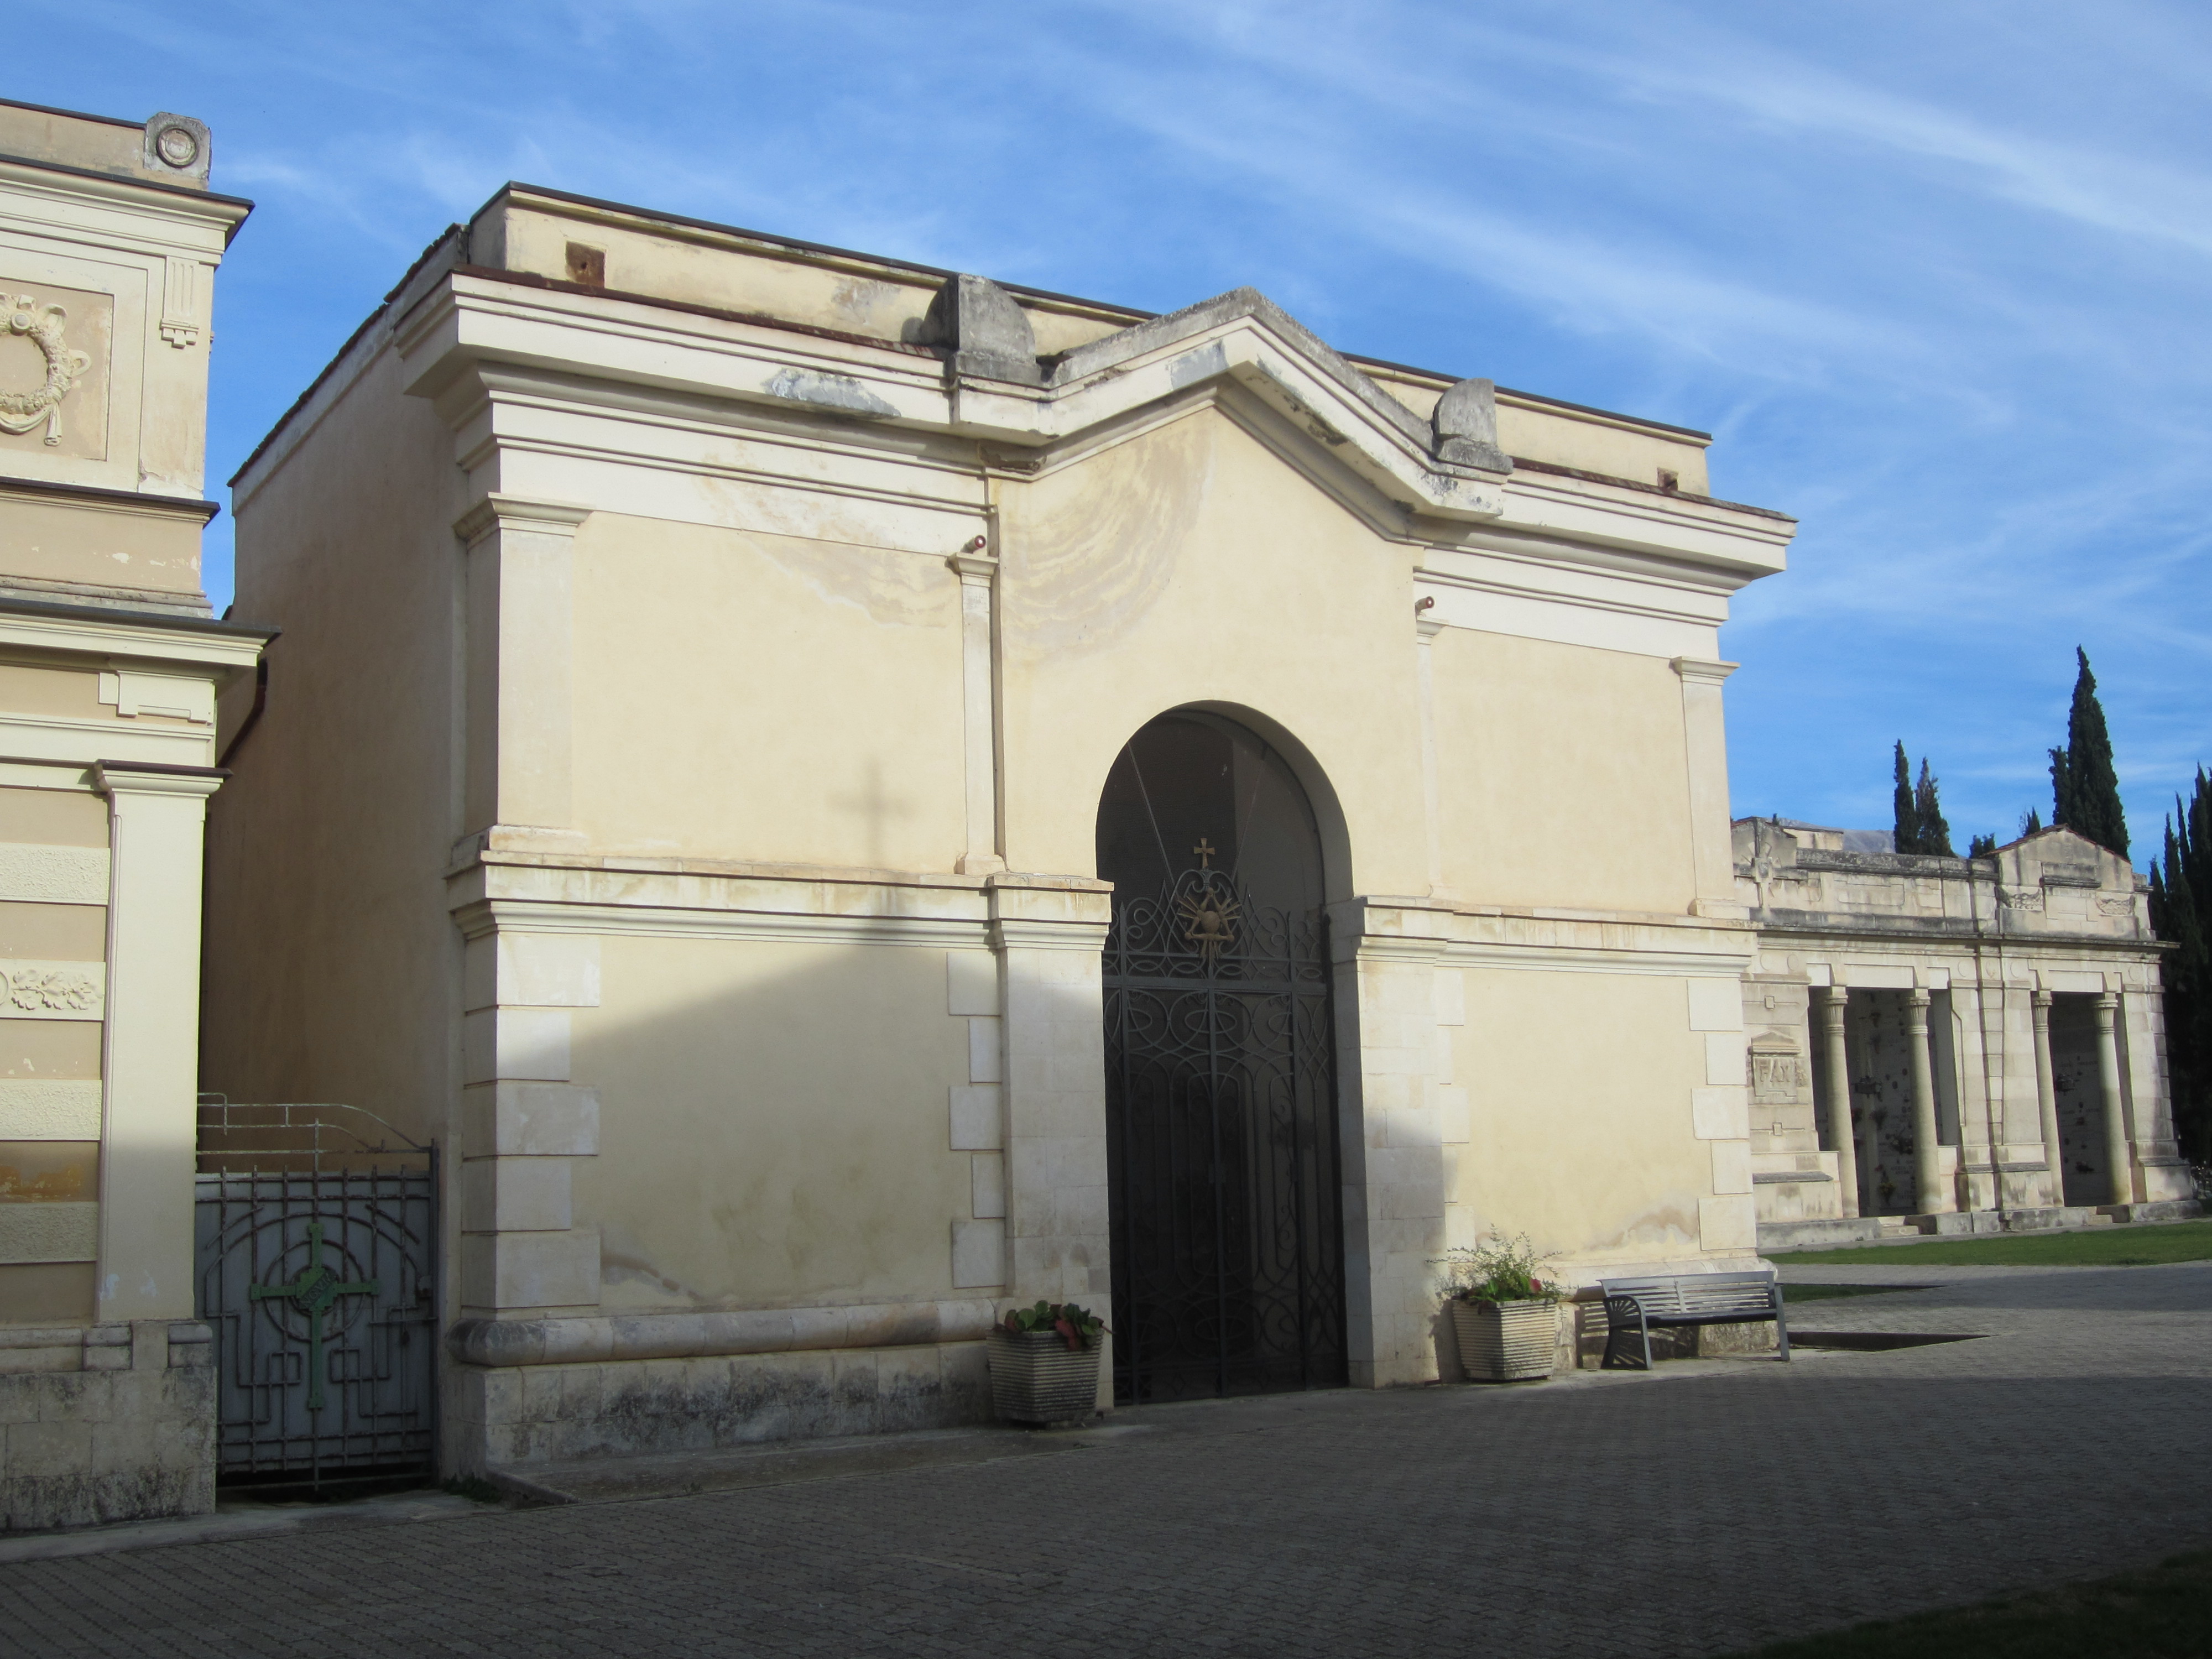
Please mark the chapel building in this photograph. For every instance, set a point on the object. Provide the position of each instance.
(846, 797)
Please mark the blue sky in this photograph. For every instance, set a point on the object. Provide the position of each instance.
(1934, 276)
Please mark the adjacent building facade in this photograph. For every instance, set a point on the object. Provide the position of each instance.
(111, 663)
(1952, 1044)
(848, 796)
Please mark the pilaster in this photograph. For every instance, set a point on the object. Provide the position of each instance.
(157, 818)
(978, 575)
(519, 678)
(1704, 736)
(1047, 934)
(1426, 629)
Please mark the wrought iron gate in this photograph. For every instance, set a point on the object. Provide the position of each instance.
(317, 1251)
(1221, 1126)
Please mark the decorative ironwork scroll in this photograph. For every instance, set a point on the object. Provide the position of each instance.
(1221, 1092)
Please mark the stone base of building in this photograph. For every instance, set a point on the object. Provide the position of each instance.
(514, 1417)
(1833, 1234)
(105, 1423)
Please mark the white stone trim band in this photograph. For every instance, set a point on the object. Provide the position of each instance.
(705, 1336)
(794, 927)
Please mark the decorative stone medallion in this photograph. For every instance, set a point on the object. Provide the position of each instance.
(56, 352)
(43, 325)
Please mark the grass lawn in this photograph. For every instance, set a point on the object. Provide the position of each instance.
(1793, 1294)
(2162, 1612)
(2096, 1246)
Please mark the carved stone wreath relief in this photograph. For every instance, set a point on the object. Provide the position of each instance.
(22, 411)
(25, 989)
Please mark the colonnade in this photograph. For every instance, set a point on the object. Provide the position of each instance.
(1933, 1193)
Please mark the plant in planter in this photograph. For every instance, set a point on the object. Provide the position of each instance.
(1503, 1312)
(1044, 1365)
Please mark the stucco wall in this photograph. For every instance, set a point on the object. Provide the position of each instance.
(1540, 749)
(772, 1123)
(1578, 1090)
(771, 698)
(1189, 566)
(331, 958)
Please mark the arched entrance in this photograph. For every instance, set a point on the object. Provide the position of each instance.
(1220, 1071)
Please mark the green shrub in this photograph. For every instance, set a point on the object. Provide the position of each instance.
(1078, 1326)
(1500, 1269)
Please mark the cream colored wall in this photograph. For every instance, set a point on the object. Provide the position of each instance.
(105, 545)
(752, 1152)
(850, 294)
(1191, 566)
(1535, 432)
(1580, 1126)
(767, 698)
(1562, 775)
(331, 961)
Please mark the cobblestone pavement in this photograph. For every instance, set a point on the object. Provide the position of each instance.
(1708, 1507)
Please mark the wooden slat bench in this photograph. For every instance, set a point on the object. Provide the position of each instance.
(1633, 1306)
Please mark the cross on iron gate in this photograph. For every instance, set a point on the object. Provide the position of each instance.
(315, 1289)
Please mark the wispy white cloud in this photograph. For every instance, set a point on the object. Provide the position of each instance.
(1933, 275)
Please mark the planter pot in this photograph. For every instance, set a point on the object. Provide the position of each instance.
(1035, 1379)
(1505, 1341)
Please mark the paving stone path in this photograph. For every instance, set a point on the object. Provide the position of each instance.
(1707, 1508)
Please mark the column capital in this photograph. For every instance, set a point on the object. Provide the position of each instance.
(1704, 672)
(118, 777)
(503, 513)
(2039, 1000)
(974, 567)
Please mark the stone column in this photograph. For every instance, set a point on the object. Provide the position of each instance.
(1834, 1004)
(2046, 1098)
(157, 818)
(1928, 1158)
(2117, 1152)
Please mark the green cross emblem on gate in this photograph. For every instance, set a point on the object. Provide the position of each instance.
(315, 1289)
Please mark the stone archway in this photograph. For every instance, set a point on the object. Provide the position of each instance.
(1221, 1088)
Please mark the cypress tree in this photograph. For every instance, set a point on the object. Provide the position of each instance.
(1907, 836)
(1981, 846)
(2031, 822)
(2180, 886)
(2084, 790)
(1935, 833)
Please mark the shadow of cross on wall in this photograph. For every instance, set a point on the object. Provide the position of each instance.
(876, 809)
(316, 1289)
